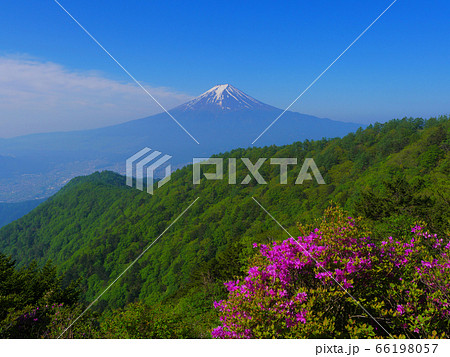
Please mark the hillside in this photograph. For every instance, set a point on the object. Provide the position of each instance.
(393, 174)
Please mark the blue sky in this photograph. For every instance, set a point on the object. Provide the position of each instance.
(271, 50)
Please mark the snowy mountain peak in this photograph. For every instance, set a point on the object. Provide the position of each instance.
(224, 97)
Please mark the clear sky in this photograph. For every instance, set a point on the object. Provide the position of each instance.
(54, 77)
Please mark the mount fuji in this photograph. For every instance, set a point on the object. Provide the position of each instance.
(223, 97)
(220, 119)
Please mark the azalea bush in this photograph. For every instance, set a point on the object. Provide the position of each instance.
(33, 300)
(334, 281)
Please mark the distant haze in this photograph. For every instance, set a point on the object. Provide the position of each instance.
(46, 97)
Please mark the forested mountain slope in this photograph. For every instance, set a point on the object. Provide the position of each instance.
(392, 173)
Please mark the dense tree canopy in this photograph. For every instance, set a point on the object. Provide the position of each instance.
(391, 175)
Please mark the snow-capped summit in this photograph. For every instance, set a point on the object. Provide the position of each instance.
(224, 97)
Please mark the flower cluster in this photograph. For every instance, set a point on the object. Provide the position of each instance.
(298, 287)
(33, 321)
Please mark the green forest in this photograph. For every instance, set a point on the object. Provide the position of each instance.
(389, 178)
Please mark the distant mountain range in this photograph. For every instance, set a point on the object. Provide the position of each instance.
(9, 212)
(35, 166)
